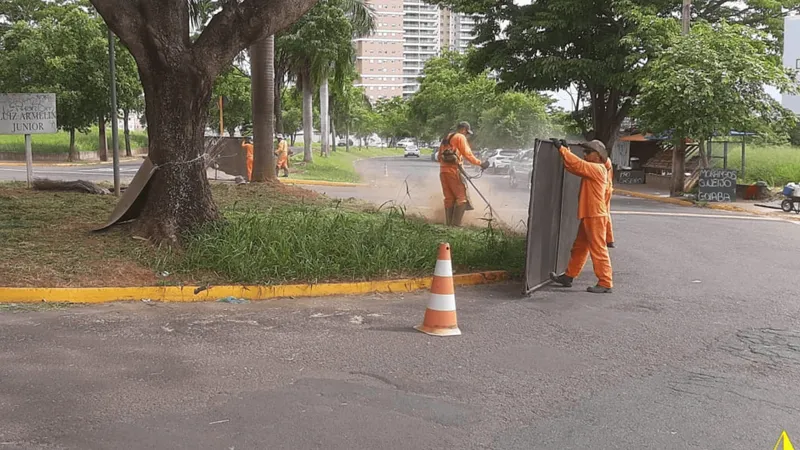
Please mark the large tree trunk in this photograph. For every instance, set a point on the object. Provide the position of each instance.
(308, 118)
(102, 149)
(678, 169)
(126, 116)
(179, 196)
(608, 112)
(324, 118)
(262, 61)
(72, 153)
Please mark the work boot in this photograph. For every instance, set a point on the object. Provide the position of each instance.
(562, 279)
(610, 245)
(448, 216)
(598, 289)
(458, 215)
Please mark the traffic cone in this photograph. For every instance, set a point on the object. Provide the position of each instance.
(440, 316)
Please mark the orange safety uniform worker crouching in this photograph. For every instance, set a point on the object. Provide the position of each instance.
(452, 152)
(593, 215)
(282, 154)
(247, 145)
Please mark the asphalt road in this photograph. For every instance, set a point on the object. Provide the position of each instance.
(697, 348)
(88, 172)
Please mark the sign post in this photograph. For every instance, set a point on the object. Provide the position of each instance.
(29, 159)
(28, 114)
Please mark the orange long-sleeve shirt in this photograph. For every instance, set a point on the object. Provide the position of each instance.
(459, 143)
(594, 184)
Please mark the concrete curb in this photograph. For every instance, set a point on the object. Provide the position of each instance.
(320, 183)
(716, 206)
(186, 294)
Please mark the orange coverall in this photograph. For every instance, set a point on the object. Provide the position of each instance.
(249, 154)
(609, 231)
(453, 187)
(283, 155)
(593, 214)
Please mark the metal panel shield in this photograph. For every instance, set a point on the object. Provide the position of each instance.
(552, 216)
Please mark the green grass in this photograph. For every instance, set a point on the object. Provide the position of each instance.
(316, 244)
(339, 166)
(271, 234)
(775, 165)
(59, 142)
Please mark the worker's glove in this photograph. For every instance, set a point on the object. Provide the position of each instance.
(558, 143)
(485, 165)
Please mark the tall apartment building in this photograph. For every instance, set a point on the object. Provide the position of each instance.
(791, 56)
(408, 33)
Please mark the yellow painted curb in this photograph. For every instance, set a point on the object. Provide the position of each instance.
(195, 294)
(320, 183)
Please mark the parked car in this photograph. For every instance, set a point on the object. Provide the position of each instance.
(500, 160)
(411, 150)
(519, 173)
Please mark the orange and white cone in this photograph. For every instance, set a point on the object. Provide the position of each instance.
(440, 316)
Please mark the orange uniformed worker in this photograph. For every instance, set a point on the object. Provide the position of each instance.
(247, 145)
(593, 215)
(282, 154)
(452, 152)
(609, 192)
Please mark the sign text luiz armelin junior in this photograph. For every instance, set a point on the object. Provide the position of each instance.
(28, 114)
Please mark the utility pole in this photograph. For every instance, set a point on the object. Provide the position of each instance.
(678, 182)
(114, 126)
(686, 15)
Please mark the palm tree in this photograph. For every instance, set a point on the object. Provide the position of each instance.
(262, 91)
(320, 45)
(262, 61)
(362, 22)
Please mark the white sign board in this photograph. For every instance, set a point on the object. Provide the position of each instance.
(28, 113)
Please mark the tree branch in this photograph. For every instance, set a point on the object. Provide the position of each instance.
(239, 24)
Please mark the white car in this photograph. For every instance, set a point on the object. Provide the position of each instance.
(405, 142)
(411, 150)
(500, 160)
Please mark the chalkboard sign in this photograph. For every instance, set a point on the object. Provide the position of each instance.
(717, 185)
(630, 177)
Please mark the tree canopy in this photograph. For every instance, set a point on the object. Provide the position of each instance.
(712, 81)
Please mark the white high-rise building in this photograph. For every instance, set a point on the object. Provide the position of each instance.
(408, 33)
(791, 56)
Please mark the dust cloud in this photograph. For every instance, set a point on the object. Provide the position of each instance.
(421, 194)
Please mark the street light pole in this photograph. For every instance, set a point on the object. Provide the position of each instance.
(114, 126)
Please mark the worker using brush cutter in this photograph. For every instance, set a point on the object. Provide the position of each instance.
(283, 157)
(593, 215)
(452, 152)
